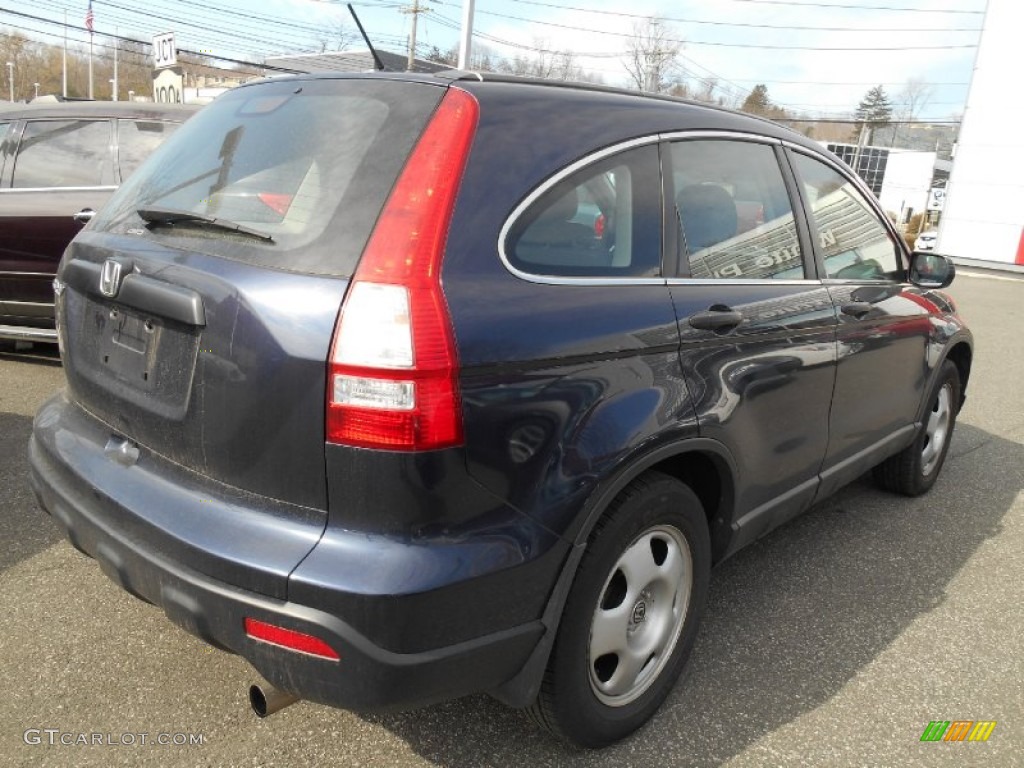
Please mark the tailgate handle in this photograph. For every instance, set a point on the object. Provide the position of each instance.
(718, 318)
(162, 299)
(156, 297)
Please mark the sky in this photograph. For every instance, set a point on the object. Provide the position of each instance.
(815, 57)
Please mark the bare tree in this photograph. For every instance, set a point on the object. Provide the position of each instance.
(652, 55)
(912, 99)
(910, 102)
(708, 86)
(545, 63)
(336, 36)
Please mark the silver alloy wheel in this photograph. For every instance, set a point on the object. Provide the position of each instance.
(936, 429)
(639, 615)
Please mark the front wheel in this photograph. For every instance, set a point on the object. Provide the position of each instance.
(631, 617)
(915, 469)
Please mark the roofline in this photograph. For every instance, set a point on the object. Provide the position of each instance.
(94, 109)
(493, 77)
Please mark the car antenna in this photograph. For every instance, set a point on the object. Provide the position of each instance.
(373, 51)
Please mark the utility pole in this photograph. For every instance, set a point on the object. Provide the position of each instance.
(64, 60)
(10, 79)
(415, 10)
(117, 45)
(466, 40)
(861, 141)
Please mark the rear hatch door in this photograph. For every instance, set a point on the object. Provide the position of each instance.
(197, 309)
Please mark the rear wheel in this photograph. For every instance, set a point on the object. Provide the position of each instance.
(631, 617)
(914, 470)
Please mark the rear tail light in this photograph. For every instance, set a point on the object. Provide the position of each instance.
(393, 370)
(289, 638)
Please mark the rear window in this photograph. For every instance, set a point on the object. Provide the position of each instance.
(308, 163)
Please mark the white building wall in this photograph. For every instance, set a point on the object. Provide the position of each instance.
(984, 210)
(908, 178)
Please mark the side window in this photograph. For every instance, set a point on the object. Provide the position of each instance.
(855, 244)
(734, 213)
(64, 153)
(602, 221)
(136, 140)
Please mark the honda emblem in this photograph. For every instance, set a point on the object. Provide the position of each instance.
(110, 278)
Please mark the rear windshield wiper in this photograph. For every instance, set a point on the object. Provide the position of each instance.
(171, 216)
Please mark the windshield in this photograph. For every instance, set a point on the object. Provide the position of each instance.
(308, 163)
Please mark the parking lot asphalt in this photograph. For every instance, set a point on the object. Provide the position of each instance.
(835, 640)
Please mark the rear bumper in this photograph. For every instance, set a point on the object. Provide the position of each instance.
(366, 677)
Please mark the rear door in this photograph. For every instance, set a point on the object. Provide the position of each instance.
(570, 363)
(55, 168)
(206, 345)
(757, 327)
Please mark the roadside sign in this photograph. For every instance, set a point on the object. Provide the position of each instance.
(936, 198)
(164, 52)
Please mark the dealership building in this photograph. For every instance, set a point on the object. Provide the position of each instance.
(983, 218)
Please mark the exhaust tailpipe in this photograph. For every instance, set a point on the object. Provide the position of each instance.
(265, 700)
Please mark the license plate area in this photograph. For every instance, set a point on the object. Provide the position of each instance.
(127, 357)
(129, 345)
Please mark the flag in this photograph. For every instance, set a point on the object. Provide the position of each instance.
(88, 18)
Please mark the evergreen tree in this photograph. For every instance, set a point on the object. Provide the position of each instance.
(757, 101)
(874, 111)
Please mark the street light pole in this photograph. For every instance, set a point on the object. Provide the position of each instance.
(10, 79)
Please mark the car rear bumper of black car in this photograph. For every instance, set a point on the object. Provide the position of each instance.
(364, 677)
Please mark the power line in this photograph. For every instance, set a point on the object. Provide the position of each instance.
(751, 25)
(767, 2)
(615, 54)
(186, 51)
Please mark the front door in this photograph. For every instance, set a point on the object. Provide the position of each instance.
(883, 327)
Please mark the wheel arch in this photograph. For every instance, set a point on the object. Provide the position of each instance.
(961, 355)
(704, 465)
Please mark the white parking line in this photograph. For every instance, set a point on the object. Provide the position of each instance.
(986, 276)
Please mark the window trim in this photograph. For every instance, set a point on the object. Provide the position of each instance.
(843, 170)
(801, 215)
(540, 190)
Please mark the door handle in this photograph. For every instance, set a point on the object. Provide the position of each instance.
(856, 308)
(84, 215)
(723, 319)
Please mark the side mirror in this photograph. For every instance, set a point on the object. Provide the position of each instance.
(931, 270)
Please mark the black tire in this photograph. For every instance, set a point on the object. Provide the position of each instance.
(657, 531)
(913, 470)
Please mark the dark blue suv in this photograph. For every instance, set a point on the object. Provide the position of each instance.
(406, 387)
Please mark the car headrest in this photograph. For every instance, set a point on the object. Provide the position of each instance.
(708, 214)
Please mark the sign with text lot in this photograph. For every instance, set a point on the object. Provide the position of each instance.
(164, 52)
